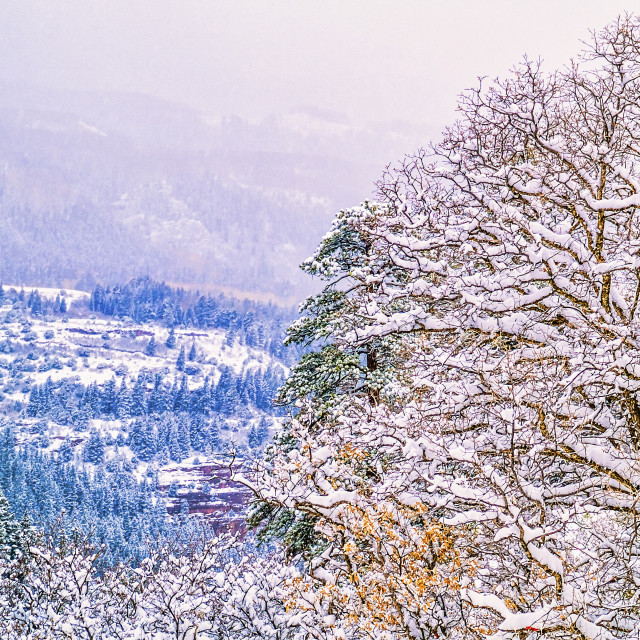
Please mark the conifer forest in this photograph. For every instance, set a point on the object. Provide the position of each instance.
(442, 441)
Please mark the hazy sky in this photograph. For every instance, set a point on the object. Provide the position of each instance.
(372, 59)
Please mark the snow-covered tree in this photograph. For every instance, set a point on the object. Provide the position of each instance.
(52, 592)
(94, 447)
(206, 590)
(151, 347)
(464, 460)
(180, 361)
(124, 401)
(12, 535)
(171, 339)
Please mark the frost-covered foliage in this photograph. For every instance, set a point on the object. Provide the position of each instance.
(211, 589)
(464, 460)
(14, 535)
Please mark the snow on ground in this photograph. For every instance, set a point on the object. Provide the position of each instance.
(70, 295)
(96, 350)
(34, 349)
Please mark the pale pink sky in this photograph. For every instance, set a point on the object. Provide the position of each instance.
(372, 59)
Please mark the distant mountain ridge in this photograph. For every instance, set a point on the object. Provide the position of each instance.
(99, 186)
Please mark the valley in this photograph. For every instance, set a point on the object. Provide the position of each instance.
(168, 403)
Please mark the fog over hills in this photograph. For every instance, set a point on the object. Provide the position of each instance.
(106, 186)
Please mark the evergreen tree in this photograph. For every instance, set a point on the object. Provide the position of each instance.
(180, 362)
(150, 349)
(160, 400)
(92, 400)
(80, 419)
(171, 340)
(198, 432)
(181, 399)
(214, 435)
(109, 398)
(94, 448)
(253, 439)
(184, 434)
(201, 398)
(138, 399)
(164, 456)
(173, 442)
(192, 352)
(262, 430)
(34, 407)
(10, 531)
(124, 401)
(136, 436)
(150, 441)
(143, 440)
(34, 303)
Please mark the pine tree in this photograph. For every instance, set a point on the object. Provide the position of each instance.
(80, 418)
(92, 400)
(138, 398)
(214, 435)
(136, 436)
(159, 402)
(11, 533)
(94, 448)
(124, 401)
(253, 439)
(109, 402)
(192, 352)
(171, 340)
(143, 440)
(181, 400)
(180, 362)
(262, 431)
(173, 442)
(184, 434)
(150, 349)
(34, 407)
(197, 432)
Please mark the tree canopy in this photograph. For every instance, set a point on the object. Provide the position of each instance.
(463, 457)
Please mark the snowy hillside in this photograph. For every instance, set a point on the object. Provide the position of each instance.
(132, 184)
(167, 406)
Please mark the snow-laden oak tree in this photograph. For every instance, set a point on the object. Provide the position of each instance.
(465, 456)
(212, 589)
